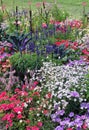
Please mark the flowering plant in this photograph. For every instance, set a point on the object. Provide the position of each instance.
(27, 108)
(5, 52)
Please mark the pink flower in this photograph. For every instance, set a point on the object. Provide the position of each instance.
(84, 3)
(27, 121)
(23, 87)
(3, 94)
(30, 99)
(69, 129)
(85, 51)
(19, 116)
(17, 90)
(5, 107)
(32, 128)
(36, 94)
(39, 124)
(8, 117)
(23, 93)
(29, 3)
(13, 98)
(45, 112)
(38, 4)
(7, 126)
(84, 126)
(44, 25)
(49, 95)
(18, 110)
(35, 83)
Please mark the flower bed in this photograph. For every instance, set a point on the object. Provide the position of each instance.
(44, 71)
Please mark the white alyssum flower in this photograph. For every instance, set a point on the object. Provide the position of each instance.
(21, 121)
(25, 105)
(61, 80)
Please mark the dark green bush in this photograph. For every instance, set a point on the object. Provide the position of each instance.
(21, 63)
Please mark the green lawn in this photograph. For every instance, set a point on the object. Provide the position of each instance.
(74, 7)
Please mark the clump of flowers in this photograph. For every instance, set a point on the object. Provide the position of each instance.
(74, 120)
(61, 80)
(5, 52)
(8, 81)
(26, 108)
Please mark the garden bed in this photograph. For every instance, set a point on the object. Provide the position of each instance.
(44, 70)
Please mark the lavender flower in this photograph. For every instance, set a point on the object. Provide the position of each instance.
(71, 114)
(74, 94)
(59, 128)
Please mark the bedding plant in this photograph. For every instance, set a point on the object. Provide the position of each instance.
(44, 72)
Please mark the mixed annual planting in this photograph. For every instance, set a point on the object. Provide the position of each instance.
(44, 69)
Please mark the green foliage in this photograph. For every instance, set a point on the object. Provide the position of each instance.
(25, 61)
(3, 34)
(65, 55)
(58, 14)
(87, 86)
(73, 106)
(70, 34)
(1, 16)
(41, 15)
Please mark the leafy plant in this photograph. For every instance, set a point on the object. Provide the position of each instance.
(27, 61)
(1, 16)
(87, 86)
(19, 41)
(58, 14)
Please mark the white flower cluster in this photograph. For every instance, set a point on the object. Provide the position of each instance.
(61, 80)
(84, 42)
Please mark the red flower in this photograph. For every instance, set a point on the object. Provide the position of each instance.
(85, 51)
(84, 126)
(49, 95)
(36, 94)
(19, 116)
(69, 129)
(65, 42)
(45, 112)
(32, 128)
(39, 124)
(58, 43)
(27, 121)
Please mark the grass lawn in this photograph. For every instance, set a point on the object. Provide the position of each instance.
(74, 7)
